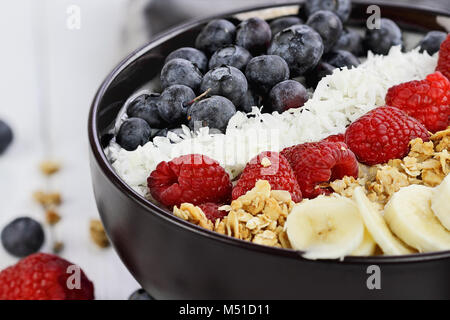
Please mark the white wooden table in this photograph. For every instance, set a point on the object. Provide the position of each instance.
(78, 62)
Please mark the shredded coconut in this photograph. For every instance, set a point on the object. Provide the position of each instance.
(338, 100)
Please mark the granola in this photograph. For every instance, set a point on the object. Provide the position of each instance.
(427, 163)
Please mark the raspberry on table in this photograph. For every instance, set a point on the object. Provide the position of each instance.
(428, 100)
(383, 134)
(212, 212)
(43, 277)
(274, 168)
(444, 58)
(193, 178)
(318, 163)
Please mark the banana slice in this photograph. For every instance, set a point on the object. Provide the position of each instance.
(377, 227)
(367, 247)
(325, 227)
(410, 217)
(440, 202)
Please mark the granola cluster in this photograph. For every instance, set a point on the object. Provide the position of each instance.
(258, 216)
(427, 163)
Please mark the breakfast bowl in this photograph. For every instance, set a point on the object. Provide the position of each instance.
(174, 259)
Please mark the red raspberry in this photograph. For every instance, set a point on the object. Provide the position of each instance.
(44, 277)
(444, 58)
(274, 168)
(383, 134)
(212, 212)
(192, 178)
(318, 163)
(335, 138)
(428, 101)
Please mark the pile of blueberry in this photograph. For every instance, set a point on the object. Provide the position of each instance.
(256, 63)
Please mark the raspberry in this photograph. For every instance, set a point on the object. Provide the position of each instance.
(44, 277)
(335, 138)
(274, 168)
(383, 134)
(428, 101)
(315, 164)
(212, 212)
(444, 58)
(194, 178)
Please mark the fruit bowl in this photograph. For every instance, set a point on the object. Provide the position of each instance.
(173, 259)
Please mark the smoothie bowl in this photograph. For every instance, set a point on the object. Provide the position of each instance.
(281, 153)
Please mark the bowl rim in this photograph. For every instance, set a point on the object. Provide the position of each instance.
(108, 171)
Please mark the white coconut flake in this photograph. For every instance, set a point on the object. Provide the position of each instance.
(338, 100)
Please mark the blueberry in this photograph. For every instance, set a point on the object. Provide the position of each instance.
(352, 41)
(381, 40)
(342, 58)
(133, 132)
(300, 45)
(193, 55)
(314, 76)
(214, 112)
(286, 95)
(328, 25)
(249, 100)
(282, 23)
(140, 294)
(233, 56)
(146, 107)
(264, 72)
(431, 43)
(6, 136)
(254, 35)
(215, 35)
(342, 8)
(226, 81)
(181, 71)
(22, 237)
(172, 104)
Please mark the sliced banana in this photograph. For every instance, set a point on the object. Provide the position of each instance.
(367, 247)
(410, 217)
(440, 202)
(377, 227)
(325, 227)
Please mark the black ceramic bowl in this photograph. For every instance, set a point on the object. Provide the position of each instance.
(173, 259)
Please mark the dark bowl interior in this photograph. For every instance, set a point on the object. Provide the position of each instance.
(175, 259)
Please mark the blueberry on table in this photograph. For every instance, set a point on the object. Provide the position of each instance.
(249, 100)
(6, 136)
(342, 58)
(226, 81)
(380, 41)
(432, 41)
(233, 56)
(300, 46)
(214, 112)
(342, 8)
(140, 294)
(254, 35)
(314, 76)
(197, 57)
(133, 132)
(264, 72)
(22, 237)
(286, 95)
(328, 25)
(215, 35)
(145, 107)
(173, 103)
(352, 41)
(181, 71)
(282, 23)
